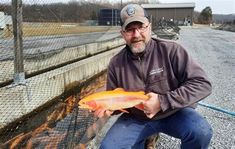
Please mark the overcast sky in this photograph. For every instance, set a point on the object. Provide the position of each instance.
(217, 6)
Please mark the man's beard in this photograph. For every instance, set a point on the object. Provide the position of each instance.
(137, 49)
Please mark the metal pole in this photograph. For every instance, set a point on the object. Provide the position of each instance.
(17, 19)
(115, 17)
(112, 16)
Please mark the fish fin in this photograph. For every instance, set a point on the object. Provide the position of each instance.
(140, 106)
(119, 89)
(122, 110)
(141, 92)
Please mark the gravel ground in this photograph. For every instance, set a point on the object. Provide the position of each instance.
(214, 50)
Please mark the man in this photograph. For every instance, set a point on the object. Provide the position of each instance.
(173, 81)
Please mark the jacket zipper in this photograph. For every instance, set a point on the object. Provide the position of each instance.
(141, 71)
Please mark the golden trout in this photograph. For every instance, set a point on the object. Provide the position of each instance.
(117, 99)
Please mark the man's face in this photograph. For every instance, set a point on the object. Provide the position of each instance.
(137, 35)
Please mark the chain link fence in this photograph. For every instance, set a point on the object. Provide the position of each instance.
(43, 50)
(48, 29)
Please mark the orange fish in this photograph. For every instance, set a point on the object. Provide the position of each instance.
(117, 99)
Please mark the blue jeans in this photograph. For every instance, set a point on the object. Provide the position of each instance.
(187, 125)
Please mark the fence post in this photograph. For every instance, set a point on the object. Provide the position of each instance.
(17, 19)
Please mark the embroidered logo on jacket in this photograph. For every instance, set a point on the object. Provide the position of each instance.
(155, 71)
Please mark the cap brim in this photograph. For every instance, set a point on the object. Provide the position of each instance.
(135, 19)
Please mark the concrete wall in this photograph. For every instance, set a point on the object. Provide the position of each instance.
(56, 57)
(17, 101)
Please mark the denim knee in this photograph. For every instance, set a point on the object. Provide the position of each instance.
(105, 145)
(203, 137)
(197, 138)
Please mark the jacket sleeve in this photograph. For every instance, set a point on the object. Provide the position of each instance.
(193, 82)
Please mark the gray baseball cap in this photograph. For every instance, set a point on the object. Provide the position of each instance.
(131, 13)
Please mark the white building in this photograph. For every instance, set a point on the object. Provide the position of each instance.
(4, 20)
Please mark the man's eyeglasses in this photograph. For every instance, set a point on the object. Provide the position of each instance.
(141, 29)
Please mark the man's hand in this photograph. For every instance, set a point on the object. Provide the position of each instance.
(152, 105)
(102, 113)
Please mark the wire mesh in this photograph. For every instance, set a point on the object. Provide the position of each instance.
(6, 44)
(55, 36)
(59, 125)
(50, 30)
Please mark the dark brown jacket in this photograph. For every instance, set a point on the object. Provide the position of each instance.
(164, 68)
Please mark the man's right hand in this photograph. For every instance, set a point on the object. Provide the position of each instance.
(102, 113)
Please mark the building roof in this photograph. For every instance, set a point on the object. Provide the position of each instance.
(169, 5)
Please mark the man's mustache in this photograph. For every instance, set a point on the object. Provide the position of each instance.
(136, 40)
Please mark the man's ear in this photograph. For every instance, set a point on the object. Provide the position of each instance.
(150, 25)
(121, 31)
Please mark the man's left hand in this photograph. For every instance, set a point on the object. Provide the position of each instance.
(152, 105)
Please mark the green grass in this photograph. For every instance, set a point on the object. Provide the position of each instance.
(45, 29)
